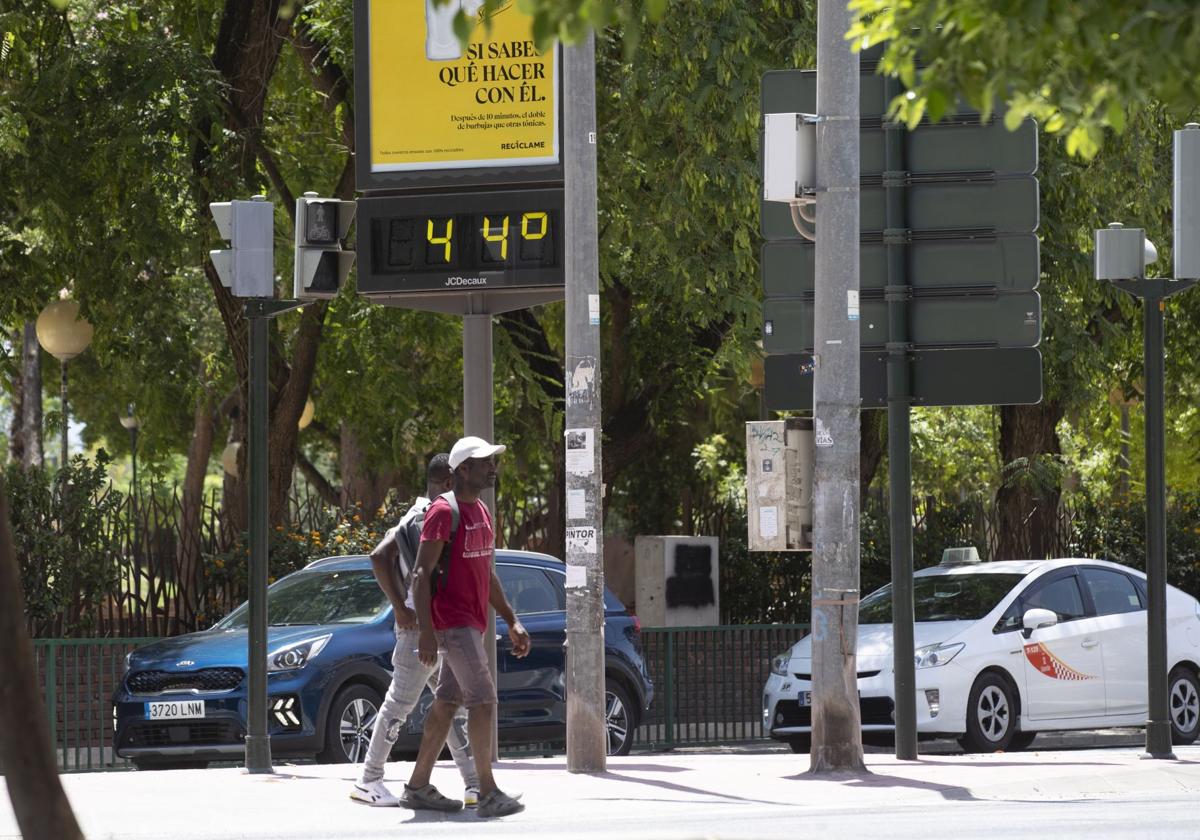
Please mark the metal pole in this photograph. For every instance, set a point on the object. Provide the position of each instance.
(479, 420)
(1158, 727)
(898, 294)
(133, 436)
(836, 733)
(258, 743)
(586, 723)
(65, 416)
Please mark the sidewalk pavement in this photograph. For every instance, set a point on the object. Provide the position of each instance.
(698, 794)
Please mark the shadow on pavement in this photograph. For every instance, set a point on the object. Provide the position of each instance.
(688, 789)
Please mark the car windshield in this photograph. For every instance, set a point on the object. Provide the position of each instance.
(345, 596)
(942, 598)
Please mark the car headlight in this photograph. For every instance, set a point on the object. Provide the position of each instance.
(297, 654)
(931, 656)
(128, 657)
(779, 664)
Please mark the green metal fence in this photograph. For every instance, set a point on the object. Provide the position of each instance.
(708, 682)
(708, 689)
(78, 677)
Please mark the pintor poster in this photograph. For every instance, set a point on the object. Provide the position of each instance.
(438, 105)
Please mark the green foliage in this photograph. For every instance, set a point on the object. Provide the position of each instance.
(1080, 69)
(67, 557)
(569, 21)
(335, 532)
(968, 466)
(1116, 531)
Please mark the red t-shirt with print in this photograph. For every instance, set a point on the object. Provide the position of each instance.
(462, 596)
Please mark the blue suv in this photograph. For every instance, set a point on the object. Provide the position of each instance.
(182, 700)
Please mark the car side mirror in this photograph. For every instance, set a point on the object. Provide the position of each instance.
(1035, 619)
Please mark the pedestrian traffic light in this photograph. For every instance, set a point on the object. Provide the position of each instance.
(247, 267)
(321, 263)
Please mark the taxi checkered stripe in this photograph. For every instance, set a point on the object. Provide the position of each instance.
(1050, 665)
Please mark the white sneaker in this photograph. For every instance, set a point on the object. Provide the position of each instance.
(470, 797)
(375, 794)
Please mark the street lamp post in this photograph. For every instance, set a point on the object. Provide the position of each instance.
(64, 335)
(1122, 255)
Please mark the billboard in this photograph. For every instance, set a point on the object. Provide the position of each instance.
(438, 110)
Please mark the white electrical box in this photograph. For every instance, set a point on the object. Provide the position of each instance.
(789, 155)
(677, 581)
(779, 484)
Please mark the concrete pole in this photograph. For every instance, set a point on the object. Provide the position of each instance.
(586, 730)
(836, 733)
(479, 416)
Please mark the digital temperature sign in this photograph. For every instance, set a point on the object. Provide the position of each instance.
(460, 241)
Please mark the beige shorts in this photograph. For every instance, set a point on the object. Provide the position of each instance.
(465, 678)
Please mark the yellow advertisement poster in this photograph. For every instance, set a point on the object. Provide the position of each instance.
(435, 105)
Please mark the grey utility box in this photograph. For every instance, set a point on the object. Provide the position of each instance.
(789, 155)
(1187, 202)
(1120, 253)
(779, 484)
(677, 581)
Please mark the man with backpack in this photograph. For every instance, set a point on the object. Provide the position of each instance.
(454, 583)
(393, 562)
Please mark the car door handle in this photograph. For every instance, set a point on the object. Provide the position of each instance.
(1089, 643)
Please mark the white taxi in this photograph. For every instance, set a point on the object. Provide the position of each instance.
(1005, 650)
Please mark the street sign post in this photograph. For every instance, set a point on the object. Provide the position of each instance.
(949, 321)
(949, 271)
(964, 377)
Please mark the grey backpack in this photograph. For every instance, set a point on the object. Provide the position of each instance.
(403, 548)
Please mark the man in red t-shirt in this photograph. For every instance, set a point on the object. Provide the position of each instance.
(454, 620)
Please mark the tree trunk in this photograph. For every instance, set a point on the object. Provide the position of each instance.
(872, 446)
(236, 513)
(25, 437)
(362, 486)
(26, 754)
(199, 452)
(246, 53)
(1028, 499)
(16, 429)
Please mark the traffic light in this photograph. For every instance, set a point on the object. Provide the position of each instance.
(321, 264)
(247, 267)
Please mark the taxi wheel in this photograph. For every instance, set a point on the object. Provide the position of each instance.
(991, 715)
(1183, 696)
(349, 724)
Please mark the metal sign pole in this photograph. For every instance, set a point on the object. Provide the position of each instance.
(897, 293)
(259, 312)
(479, 420)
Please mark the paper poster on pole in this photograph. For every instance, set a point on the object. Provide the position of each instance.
(576, 504)
(576, 576)
(581, 453)
(581, 540)
(435, 105)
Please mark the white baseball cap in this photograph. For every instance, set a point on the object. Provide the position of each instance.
(472, 447)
